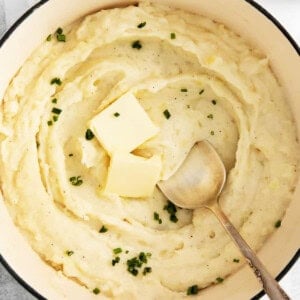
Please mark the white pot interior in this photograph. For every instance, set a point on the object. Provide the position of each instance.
(242, 18)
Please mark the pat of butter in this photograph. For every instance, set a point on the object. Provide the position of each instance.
(133, 176)
(123, 126)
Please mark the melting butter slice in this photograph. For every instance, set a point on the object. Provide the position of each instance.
(123, 126)
(133, 176)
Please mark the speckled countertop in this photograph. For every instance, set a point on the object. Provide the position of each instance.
(287, 12)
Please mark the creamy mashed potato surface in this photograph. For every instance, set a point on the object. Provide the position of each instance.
(197, 81)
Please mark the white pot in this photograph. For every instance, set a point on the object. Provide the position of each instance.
(241, 16)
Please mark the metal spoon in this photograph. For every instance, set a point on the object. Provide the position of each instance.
(198, 183)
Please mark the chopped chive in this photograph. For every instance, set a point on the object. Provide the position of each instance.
(188, 106)
(59, 30)
(89, 134)
(143, 257)
(136, 45)
(117, 250)
(56, 80)
(96, 291)
(192, 290)
(56, 110)
(201, 92)
(172, 210)
(115, 261)
(219, 279)
(103, 229)
(212, 133)
(236, 260)
(156, 217)
(61, 37)
(277, 224)
(210, 116)
(167, 114)
(184, 90)
(147, 270)
(49, 123)
(55, 118)
(69, 252)
(214, 102)
(54, 100)
(173, 218)
(76, 181)
(127, 251)
(116, 114)
(71, 154)
(49, 37)
(141, 25)
(173, 35)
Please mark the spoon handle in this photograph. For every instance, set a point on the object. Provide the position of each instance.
(270, 285)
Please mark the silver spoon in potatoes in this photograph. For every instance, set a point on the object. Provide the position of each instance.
(198, 183)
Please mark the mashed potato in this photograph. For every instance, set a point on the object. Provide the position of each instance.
(197, 81)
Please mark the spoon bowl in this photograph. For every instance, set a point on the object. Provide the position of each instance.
(198, 181)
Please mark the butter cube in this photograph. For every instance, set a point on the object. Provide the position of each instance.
(123, 126)
(133, 176)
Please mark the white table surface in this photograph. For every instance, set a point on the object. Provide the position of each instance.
(288, 14)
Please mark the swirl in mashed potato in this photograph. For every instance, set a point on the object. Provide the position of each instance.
(214, 87)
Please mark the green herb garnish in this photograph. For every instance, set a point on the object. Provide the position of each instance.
(214, 102)
(60, 36)
(56, 80)
(71, 154)
(192, 290)
(59, 30)
(103, 229)
(277, 224)
(54, 100)
(219, 279)
(136, 45)
(76, 180)
(55, 118)
(116, 114)
(141, 25)
(115, 261)
(167, 114)
(173, 35)
(96, 291)
(89, 134)
(135, 263)
(184, 90)
(212, 133)
(56, 110)
(143, 257)
(147, 270)
(236, 260)
(117, 250)
(69, 252)
(172, 210)
(210, 116)
(49, 123)
(201, 92)
(156, 217)
(49, 37)
(173, 218)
